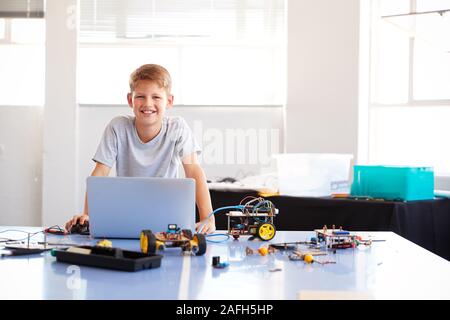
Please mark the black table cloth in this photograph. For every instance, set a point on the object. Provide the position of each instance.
(426, 222)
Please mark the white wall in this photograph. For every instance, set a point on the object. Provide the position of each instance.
(20, 165)
(442, 183)
(322, 97)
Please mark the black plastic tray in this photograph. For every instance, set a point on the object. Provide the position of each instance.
(110, 258)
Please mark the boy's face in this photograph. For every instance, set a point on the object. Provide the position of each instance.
(149, 102)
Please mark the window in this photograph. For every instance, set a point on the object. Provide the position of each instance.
(411, 50)
(22, 48)
(2, 29)
(432, 52)
(219, 52)
(410, 83)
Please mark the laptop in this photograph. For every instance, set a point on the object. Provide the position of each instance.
(121, 207)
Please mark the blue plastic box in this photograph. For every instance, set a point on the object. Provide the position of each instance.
(393, 183)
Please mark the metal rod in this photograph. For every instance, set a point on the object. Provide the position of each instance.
(440, 12)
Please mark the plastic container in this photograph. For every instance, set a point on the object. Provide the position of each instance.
(393, 182)
(109, 258)
(313, 174)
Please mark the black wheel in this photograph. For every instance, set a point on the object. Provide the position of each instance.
(201, 240)
(148, 242)
(187, 233)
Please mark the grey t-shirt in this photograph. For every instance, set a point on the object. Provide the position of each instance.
(159, 157)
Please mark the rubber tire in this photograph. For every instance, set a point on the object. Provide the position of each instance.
(151, 241)
(201, 240)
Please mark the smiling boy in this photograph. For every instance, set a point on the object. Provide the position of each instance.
(150, 144)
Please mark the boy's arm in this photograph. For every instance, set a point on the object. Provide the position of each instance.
(192, 169)
(100, 170)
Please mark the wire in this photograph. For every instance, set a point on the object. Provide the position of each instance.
(247, 198)
(239, 207)
(29, 234)
(56, 230)
(227, 236)
(255, 199)
(55, 227)
(15, 230)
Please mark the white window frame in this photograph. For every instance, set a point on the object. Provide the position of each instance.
(411, 102)
(7, 38)
(180, 45)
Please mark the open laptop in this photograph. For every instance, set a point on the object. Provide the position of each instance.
(121, 207)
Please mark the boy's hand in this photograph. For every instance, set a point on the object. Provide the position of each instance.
(205, 226)
(81, 219)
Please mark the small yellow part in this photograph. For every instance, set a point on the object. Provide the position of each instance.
(340, 195)
(144, 243)
(263, 251)
(308, 258)
(194, 242)
(268, 193)
(104, 243)
(266, 231)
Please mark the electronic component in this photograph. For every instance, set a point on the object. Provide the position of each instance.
(338, 238)
(217, 264)
(255, 218)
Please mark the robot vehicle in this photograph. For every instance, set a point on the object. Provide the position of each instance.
(255, 219)
(171, 238)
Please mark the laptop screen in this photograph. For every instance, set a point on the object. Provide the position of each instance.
(121, 207)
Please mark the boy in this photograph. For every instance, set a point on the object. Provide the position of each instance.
(150, 144)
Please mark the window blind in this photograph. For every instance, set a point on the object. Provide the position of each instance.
(219, 52)
(180, 20)
(21, 8)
